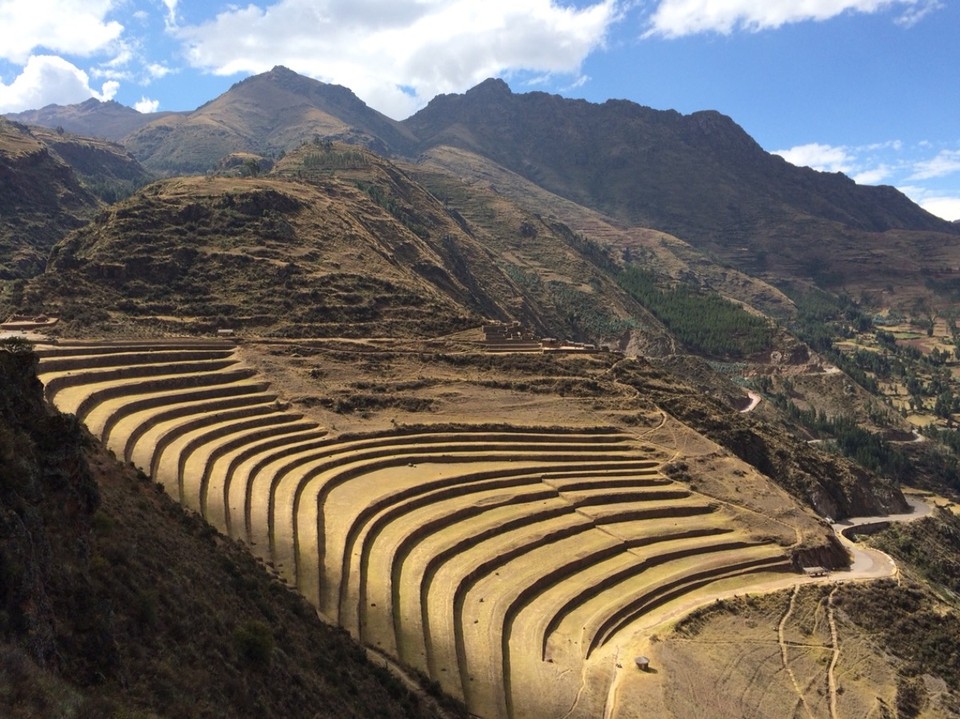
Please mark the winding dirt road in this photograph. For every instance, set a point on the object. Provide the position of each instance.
(869, 563)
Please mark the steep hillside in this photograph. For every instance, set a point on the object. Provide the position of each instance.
(104, 168)
(265, 255)
(264, 114)
(589, 151)
(472, 184)
(41, 199)
(701, 178)
(115, 602)
(336, 241)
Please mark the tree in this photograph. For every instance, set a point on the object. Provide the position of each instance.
(250, 168)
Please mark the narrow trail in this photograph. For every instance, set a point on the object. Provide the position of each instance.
(631, 391)
(580, 691)
(611, 704)
(832, 669)
(784, 659)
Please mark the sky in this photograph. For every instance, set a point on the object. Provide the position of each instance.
(870, 88)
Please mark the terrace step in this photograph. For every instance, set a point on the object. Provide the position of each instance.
(501, 532)
(82, 398)
(93, 347)
(104, 360)
(474, 554)
(213, 473)
(103, 418)
(56, 382)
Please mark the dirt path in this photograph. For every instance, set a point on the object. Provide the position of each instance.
(784, 659)
(835, 658)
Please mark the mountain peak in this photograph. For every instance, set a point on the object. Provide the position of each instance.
(281, 71)
(491, 87)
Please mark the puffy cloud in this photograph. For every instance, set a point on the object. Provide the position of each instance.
(397, 54)
(941, 202)
(171, 6)
(677, 18)
(873, 175)
(108, 91)
(946, 207)
(146, 105)
(946, 162)
(47, 79)
(70, 27)
(156, 70)
(826, 158)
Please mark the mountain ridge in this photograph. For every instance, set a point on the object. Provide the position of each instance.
(359, 286)
(265, 114)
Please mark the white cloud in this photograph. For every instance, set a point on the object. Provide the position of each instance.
(914, 14)
(940, 202)
(826, 158)
(381, 49)
(108, 91)
(888, 145)
(945, 163)
(171, 18)
(677, 18)
(70, 27)
(156, 70)
(146, 105)
(873, 175)
(946, 207)
(47, 79)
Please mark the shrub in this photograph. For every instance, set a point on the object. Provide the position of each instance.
(254, 643)
(16, 345)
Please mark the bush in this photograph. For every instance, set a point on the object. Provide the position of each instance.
(16, 345)
(254, 643)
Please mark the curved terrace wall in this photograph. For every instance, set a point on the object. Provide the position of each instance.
(493, 559)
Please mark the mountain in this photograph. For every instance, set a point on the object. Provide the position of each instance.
(335, 241)
(41, 199)
(633, 163)
(104, 168)
(264, 114)
(92, 118)
(701, 178)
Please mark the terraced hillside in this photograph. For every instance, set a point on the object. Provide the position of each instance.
(498, 560)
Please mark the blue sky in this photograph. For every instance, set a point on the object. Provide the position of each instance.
(870, 88)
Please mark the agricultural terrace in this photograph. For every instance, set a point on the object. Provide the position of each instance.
(501, 560)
